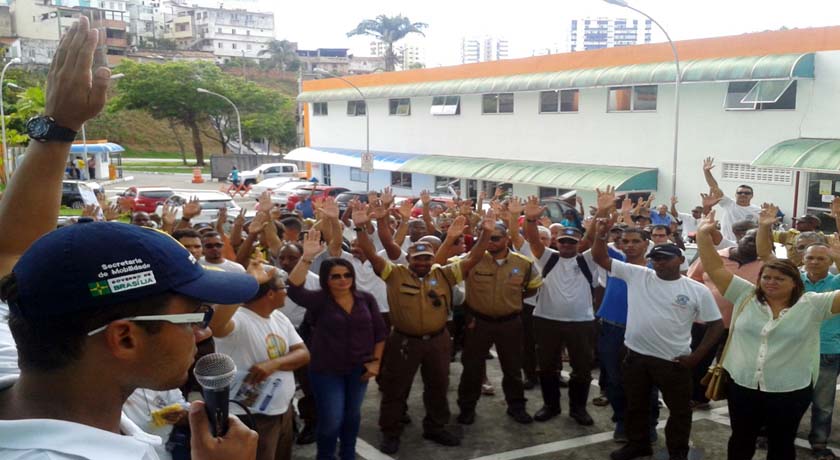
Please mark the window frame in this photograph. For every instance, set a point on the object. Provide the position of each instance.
(497, 97)
(357, 175)
(446, 108)
(320, 109)
(402, 102)
(633, 98)
(559, 93)
(759, 106)
(355, 104)
(401, 181)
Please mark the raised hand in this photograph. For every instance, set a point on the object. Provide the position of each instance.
(191, 209)
(257, 269)
(360, 214)
(91, 211)
(532, 208)
(221, 217)
(74, 94)
(167, 215)
(515, 205)
(709, 200)
(265, 203)
(482, 195)
(835, 207)
(457, 228)
(768, 215)
(240, 219)
(674, 201)
(312, 245)
(405, 209)
(258, 223)
(545, 221)
(579, 200)
(489, 222)
(425, 197)
(834, 244)
(606, 199)
(708, 164)
(329, 208)
(499, 192)
(707, 223)
(111, 212)
(387, 196)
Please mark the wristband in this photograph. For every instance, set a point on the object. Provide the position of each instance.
(358, 229)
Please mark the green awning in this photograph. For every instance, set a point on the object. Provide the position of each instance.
(544, 174)
(769, 67)
(804, 153)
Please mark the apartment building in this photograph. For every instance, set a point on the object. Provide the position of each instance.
(596, 33)
(227, 33)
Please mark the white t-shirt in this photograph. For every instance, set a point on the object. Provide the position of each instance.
(226, 265)
(401, 260)
(8, 348)
(660, 312)
(525, 250)
(256, 339)
(367, 280)
(566, 294)
(731, 213)
(295, 312)
(138, 406)
(689, 224)
(683, 266)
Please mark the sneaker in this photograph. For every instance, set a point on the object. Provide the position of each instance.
(600, 401)
(306, 435)
(487, 389)
(443, 438)
(582, 417)
(631, 451)
(466, 417)
(390, 444)
(520, 415)
(546, 413)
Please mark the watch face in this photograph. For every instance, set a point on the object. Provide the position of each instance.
(37, 127)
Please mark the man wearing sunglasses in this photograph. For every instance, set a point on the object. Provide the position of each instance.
(731, 211)
(212, 245)
(90, 327)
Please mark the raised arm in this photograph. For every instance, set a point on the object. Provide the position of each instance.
(600, 253)
(764, 236)
(455, 231)
(383, 228)
(514, 208)
(674, 213)
(477, 251)
(258, 224)
(331, 226)
(708, 165)
(712, 263)
(312, 246)
(272, 240)
(221, 324)
(361, 217)
(426, 200)
(31, 202)
(533, 211)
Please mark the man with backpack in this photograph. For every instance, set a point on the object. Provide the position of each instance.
(563, 317)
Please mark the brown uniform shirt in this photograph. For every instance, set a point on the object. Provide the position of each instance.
(496, 290)
(420, 306)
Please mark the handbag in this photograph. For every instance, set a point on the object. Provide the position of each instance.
(717, 378)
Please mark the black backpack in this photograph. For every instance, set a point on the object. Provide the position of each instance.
(581, 261)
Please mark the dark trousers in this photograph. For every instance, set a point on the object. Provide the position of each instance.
(643, 373)
(275, 435)
(507, 335)
(529, 347)
(611, 351)
(306, 404)
(457, 328)
(749, 410)
(402, 356)
(698, 392)
(578, 337)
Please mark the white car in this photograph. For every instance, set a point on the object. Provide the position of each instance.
(281, 195)
(268, 184)
(266, 171)
(210, 201)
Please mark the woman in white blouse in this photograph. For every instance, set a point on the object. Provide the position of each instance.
(773, 359)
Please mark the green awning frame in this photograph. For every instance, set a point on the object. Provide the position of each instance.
(544, 174)
(746, 68)
(807, 154)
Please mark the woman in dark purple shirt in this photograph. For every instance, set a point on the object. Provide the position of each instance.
(346, 346)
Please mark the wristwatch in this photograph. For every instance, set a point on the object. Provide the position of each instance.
(44, 129)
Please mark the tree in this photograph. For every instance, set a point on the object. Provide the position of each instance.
(388, 29)
(282, 54)
(169, 91)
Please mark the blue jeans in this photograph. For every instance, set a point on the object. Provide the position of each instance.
(338, 399)
(612, 351)
(823, 400)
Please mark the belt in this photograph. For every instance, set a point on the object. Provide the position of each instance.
(614, 324)
(494, 319)
(421, 337)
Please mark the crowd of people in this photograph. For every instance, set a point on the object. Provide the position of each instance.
(98, 346)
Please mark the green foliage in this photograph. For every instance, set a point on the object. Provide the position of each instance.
(283, 56)
(389, 29)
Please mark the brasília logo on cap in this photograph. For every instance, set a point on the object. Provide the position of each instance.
(99, 288)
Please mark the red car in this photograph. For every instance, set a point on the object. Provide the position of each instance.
(321, 191)
(146, 198)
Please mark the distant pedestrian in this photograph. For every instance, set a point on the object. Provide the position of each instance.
(234, 176)
(91, 166)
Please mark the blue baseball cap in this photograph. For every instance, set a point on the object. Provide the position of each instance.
(90, 265)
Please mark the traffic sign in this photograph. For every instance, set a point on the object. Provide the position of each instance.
(367, 162)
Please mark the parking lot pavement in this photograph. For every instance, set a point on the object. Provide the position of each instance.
(495, 436)
(176, 182)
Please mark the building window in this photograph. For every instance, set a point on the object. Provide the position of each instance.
(497, 103)
(356, 108)
(233, 46)
(219, 30)
(319, 109)
(400, 179)
(761, 95)
(327, 170)
(220, 45)
(357, 175)
(399, 106)
(559, 101)
(742, 172)
(632, 98)
(446, 105)
(444, 183)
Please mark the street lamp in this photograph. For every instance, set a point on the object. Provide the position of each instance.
(6, 156)
(624, 4)
(238, 120)
(367, 115)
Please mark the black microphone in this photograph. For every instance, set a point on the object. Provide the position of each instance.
(215, 372)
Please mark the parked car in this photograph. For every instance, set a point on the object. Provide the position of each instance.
(441, 202)
(211, 203)
(76, 194)
(281, 194)
(343, 199)
(147, 199)
(318, 191)
(268, 170)
(555, 207)
(268, 184)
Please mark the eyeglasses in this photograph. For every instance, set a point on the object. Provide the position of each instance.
(496, 238)
(199, 319)
(338, 276)
(743, 193)
(213, 246)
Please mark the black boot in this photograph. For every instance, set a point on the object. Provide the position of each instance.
(578, 395)
(549, 386)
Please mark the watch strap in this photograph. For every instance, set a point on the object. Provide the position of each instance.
(60, 133)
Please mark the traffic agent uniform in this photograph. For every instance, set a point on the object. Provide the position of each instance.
(419, 338)
(495, 291)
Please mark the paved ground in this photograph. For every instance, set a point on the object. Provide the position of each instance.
(176, 181)
(494, 436)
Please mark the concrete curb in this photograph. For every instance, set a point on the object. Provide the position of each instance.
(117, 181)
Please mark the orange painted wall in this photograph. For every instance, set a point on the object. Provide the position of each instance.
(755, 44)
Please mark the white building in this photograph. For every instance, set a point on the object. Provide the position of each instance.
(483, 49)
(596, 33)
(763, 104)
(408, 53)
(224, 32)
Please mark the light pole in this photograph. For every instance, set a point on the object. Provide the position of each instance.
(367, 116)
(6, 157)
(238, 120)
(624, 4)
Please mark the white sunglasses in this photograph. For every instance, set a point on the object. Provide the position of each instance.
(200, 319)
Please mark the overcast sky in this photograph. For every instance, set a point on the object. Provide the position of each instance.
(530, 24)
